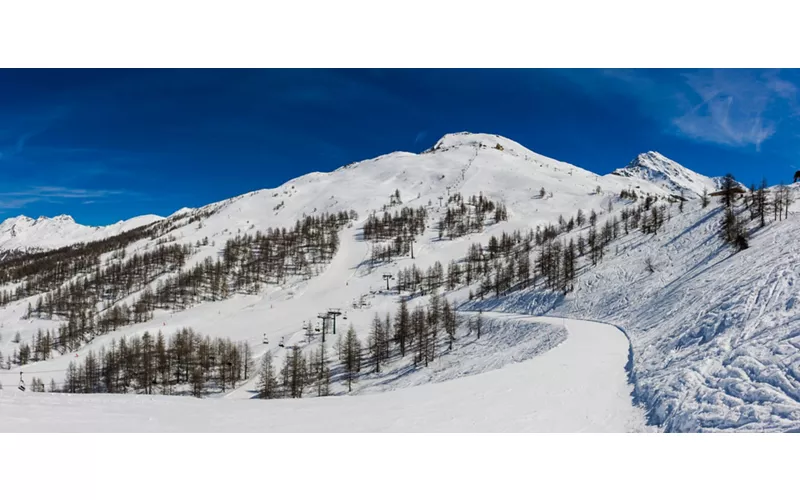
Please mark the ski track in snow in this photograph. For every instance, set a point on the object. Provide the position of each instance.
(714, 333)
(580, 385)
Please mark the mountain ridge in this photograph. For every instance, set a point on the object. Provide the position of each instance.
(469, 141)
(654, 167)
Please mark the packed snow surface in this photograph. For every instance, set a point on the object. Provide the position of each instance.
(578, 386)
(715, 334)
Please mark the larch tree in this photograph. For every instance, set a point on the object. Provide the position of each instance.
(402, 327)
(352, 357)
(375, 343)
(268, 381)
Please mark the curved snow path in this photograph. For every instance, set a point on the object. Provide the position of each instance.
(578, 386)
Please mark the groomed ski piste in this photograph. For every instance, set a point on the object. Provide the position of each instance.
(578, 386)
(708, 340)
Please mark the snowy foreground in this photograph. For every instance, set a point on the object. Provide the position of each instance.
(578, 386)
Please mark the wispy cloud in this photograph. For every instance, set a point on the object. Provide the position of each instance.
(16, 199)
(735, 108)
(13, 203)
(26, 126)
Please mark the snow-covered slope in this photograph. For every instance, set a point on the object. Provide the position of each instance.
(579, 386)
(670, 175)
(25, 234)
(714, 333)
(468, 163)
(464, 162)
(711, 349)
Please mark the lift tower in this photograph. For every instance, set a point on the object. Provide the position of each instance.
(332, 313)
(324, 317)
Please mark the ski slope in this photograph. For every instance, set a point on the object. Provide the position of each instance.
(578, 386)
(463, 162)
(713, 333)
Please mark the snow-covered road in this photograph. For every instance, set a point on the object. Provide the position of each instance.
(578, 386)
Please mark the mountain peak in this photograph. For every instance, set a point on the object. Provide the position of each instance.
(471, 139)
(651, 157)
(654, 167)
(64, 218)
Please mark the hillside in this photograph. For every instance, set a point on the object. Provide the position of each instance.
(710, 329)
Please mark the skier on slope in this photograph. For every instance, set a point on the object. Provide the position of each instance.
(21, 383)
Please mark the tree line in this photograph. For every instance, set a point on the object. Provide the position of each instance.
(462, 217)
(185, 363)
(247, 262)
(421, 333)
(42, 271)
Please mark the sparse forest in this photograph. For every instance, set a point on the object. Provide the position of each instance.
(88, 299)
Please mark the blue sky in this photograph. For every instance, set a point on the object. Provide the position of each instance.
(104, 145)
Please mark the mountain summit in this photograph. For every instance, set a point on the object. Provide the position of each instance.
(671, 175)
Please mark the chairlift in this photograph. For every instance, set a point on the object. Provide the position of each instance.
(316, 329)
(344, 316)
(280, 344)
(265, 341)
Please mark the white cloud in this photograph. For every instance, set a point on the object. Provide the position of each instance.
(16, 199)
(734, 107)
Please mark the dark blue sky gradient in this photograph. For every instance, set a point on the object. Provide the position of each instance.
(104, 145)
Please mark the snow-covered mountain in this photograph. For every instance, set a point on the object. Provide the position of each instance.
(25, 234)
(670, 175)
(462, 162)
(711, 343)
